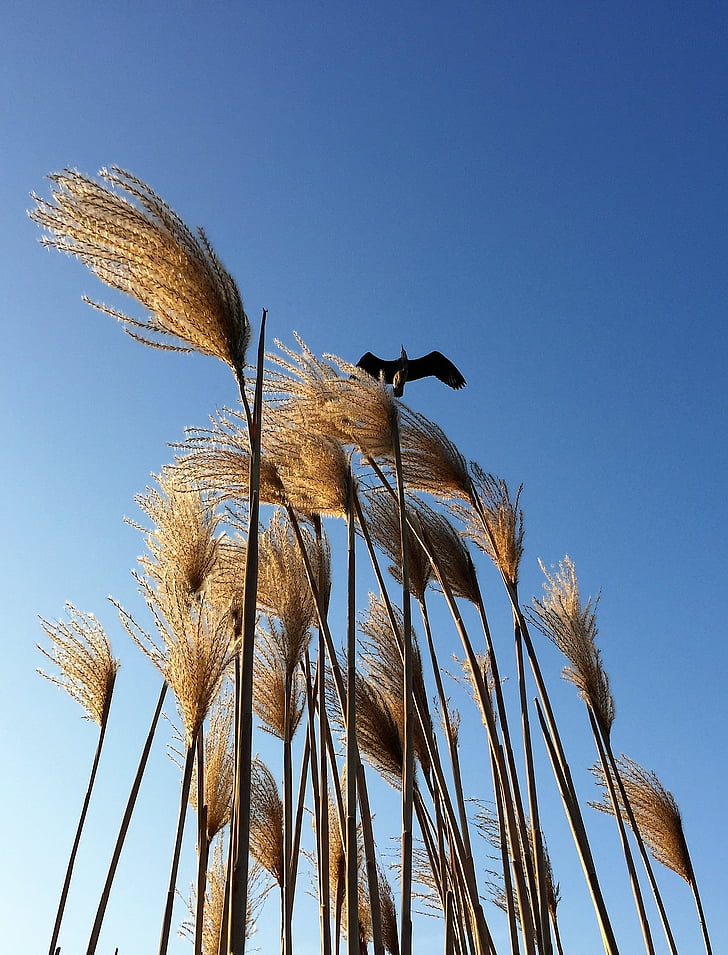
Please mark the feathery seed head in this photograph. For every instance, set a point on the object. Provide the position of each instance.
(218, 460)
(81, 651)
(219, 766)
(573, 628)
(266, 820)
(502, 537)
(430, 461)
(193, 653)
(311, 393)
(182, 545)
(655, 811)
(133, 241)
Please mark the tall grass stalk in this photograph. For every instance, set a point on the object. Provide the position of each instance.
(240, 839)
(126, 820)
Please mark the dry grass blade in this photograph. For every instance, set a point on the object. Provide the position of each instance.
(573, 628)
(81, 651)
(133, 241)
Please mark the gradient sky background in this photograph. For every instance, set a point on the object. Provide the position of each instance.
(540, 192)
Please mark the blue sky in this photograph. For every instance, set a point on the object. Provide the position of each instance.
(539, 192)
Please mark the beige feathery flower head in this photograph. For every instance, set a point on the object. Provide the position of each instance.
(81, 651)
(382, 661)
(655, 811)
(219, 766)
(182, 543)
(218, 459)
(195, 646)
(133, 241)
(430, 461)
(266, 820)
(502, 537)
(333, 398)
(573, 628)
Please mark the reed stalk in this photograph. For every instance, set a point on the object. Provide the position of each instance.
(126, 820)
(240, 840)
(171, 889)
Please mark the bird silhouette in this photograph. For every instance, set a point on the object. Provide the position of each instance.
(404, 369)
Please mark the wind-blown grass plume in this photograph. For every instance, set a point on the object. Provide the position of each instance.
(218, 459)
(656, 814)
(342, 403)
(219, 774)
(266, 821)
(430, 460)
(134, 242)
(382, 661)
(572, 626)
(182, 544)
(502, 536)
(87, 671)
(194, 649)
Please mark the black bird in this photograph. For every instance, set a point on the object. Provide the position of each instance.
(404, 369)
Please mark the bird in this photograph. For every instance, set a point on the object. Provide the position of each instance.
(404, 369)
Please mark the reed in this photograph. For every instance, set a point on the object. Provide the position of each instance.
(316, 438)
(86, 670)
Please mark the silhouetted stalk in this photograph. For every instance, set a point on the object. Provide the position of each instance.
(622, 829)
(449, 734)
(533, 811)
(184, 799)
(240, 832)
(520, 849)
(131, 802)
(288, 861)
(203, 845)
(464, 854)
(317, 758)
(408, 755)
(352, 753)
(370, 861)
(486, 710)
(484, 938)
(698, 903)
(576, 823)
(81, 819)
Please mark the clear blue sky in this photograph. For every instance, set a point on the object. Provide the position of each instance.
(538, 190)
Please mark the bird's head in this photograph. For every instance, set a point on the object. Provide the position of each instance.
(400, 375)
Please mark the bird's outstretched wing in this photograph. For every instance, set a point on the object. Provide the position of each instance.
(435, 364)
(375, 366)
